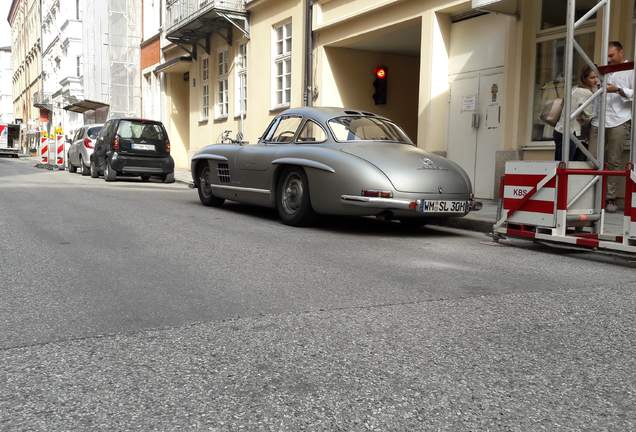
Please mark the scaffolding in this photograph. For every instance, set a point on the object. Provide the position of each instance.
(112, 38)
(552, 201)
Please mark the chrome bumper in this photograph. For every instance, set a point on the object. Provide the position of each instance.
(384, 203)
(391, 203)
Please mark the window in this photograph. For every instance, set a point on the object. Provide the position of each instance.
(282, 64)
(78, 66)
(311, 133)
(222, 91)
(355, 128)
(77, 10)
(205, 88)
(285, 130)
(554, 13)
(241, 81)
(549, 77)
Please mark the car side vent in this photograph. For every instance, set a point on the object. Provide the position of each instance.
(352, 112)
(368, 114)
(224, 173)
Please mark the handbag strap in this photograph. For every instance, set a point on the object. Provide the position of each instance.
(556, 89)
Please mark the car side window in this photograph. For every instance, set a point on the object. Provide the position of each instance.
(311, 133)
(285, 130)
(78, 135)
(270, 130)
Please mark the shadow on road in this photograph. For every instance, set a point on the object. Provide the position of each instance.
(362, 226)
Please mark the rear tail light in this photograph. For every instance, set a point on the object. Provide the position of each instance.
(167, 145)
(88, 143)
(116, 143)
(377, 194)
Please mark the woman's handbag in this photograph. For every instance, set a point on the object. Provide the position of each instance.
(551, 112)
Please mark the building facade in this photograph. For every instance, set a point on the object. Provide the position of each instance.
(62, 60)
(465, 82)
(26, 64)
(6, 89)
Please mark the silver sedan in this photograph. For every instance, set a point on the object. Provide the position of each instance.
(82, 147)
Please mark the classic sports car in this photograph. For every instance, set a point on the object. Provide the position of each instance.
(333, 161)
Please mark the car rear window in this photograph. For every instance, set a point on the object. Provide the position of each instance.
(93, 132)
(140, 130)
(358, 128)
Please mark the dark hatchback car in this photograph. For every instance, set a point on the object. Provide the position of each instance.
(132, 147)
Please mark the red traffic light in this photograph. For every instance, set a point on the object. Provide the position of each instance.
(380, 72)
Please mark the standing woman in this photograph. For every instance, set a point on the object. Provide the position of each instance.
(588, 85)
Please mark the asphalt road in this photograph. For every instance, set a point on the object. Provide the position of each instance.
(129, 306)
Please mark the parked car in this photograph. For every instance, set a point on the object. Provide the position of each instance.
(334, 161)
(82, 147)
(132, 147)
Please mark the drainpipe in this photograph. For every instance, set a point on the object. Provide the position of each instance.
(309, 45)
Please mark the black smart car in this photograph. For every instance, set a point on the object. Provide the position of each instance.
(132, 147)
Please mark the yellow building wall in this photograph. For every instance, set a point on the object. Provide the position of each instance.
(177, 110)
(348, 82)
(264, 15)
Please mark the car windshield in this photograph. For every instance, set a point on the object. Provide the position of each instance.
(357, 128)
(140, 130)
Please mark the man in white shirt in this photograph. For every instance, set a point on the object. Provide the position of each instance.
(618, 119)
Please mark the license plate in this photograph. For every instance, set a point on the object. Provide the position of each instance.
(435, 206)
(143, 147)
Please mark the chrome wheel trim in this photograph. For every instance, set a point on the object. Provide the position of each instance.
(204, 184)
(292, 193)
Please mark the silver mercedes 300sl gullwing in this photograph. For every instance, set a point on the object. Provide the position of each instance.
(333, 161)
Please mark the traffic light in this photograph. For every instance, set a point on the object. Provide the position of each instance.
(380, 83)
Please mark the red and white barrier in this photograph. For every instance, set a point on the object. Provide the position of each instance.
(59, 145)
(44, 149)
(630, 207)
(529, 193)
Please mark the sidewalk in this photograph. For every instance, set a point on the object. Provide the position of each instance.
(484, 219)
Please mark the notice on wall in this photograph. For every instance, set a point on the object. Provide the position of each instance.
(469, 103)
(493, 116)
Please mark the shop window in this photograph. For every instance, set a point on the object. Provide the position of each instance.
(554, 13)
(550, 77)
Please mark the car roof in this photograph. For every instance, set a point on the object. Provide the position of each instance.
(323, 114)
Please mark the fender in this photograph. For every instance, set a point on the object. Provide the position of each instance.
(303, 162)
(209, 156)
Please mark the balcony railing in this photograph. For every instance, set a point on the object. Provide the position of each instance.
(180, 12)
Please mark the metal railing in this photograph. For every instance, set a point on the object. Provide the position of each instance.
(179, 12)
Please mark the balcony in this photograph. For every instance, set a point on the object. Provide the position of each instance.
(188, 21)
(42, 100)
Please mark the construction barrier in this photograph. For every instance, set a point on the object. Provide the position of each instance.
(59, 145)
(44, 149)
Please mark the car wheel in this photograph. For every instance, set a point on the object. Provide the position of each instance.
(205, 190)
(109, 173)
(85, 171)
(93, 169)
(71, 168)
(145, 178)
(292, 198)
(168, 178)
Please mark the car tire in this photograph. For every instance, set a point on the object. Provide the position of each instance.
(205, 190)
(93, 169)
(168, 178)
(145, 178)
(110, 174)
(292, 198)
(85, 170)
(71, 168)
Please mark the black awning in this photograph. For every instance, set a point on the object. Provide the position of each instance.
(84, 105)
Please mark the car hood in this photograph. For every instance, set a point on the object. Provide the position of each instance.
(411, 169)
